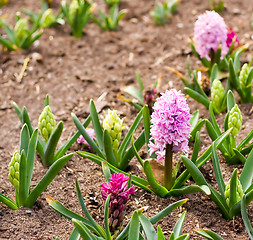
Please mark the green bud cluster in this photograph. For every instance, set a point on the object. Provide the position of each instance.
(235, 120)
(239, 191)
(14, 170)
(73, 8)
(114, 125)
(47, 18)
(217, 94)
(20, 29)
(46, 123)
(243, 75)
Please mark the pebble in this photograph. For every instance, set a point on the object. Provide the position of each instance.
(37, 57)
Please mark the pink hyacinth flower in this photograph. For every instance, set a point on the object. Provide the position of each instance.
(170, 123)
(232, 36)
(81, 139)
(210, 32)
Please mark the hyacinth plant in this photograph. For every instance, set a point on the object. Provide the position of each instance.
(232, 152)
(50, 134)
(110, 22)
(216, 5)
(212, 41)
(198, 86)
(111, 3)
(163, 11)
(245, 217)
(229, 198)
(21, 171)
(208, 234)
(148, 97)
(241, 80)
(77, 13)
(21, 36)
(116, 192)
(109, 145)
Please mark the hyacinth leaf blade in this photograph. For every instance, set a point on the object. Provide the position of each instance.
(196, 129)
(22, 189)
(99, 230)
(213, 120)
(96, 125)
(247, 172)
(233, 189)
(75, 235)
(196, 148)
(155, 186)
(245, 218)
(208, 234)
(128, 137)
(24, 139)
(10, 33)
(106, 171)
(197, 96)
(83, 230)
(179, 225)
(87, 137)
(62, 150)
(106, 218)
(148, 228)
(232, 76)
(230, 100)
(204, 61)
(217, 171)
(8, 202)
(110, 157)
(214, 73)
(160, 235)
(47, 179)
(238, 156)
(61, 209)
(49, 149)
(134, 228)
(9, 45)
(188, 190)
(134, 92)
(136, 154)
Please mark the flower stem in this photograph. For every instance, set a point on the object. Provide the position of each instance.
(168, 167)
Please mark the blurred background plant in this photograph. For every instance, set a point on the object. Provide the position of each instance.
(216, 5)
(163, 11)
(3, 2)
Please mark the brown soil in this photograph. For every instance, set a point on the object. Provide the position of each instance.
(100, 64)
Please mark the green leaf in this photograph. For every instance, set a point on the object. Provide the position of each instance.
(46, 102)
(146, 122)
(183, 237)
(245, 217)
(18, 111)
(189, 189)
(245, 141)
(179, 225)
(133, 91)
(83, 230)
(22, 191)
(99, 230)
(8, 202)
(87, 137)
(96, 125)
(106, 171)
(10, 33)
(247, 172)
(74, 235)
(197, 96)
(138, 77)
(129, 135)
(110, 157)
(148, 229)
(167, 211)
(196, 148)
(9, 45)
(239, 156)
(106, 219)
(232, 75)
(51, 145)
(208, 234)
(31, 157)
(233, 189)
(136, 154)
(24, 139)
(194, 119)
(134, 228)
(47, 179)
(155, 186)
(160, 235)
(217, 171)
(213, 120)
(214, 73)
(230, 100)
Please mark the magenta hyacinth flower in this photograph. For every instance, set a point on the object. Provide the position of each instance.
(210, 32)
(170, 123)
(232, 36)
(119, 195)
(81, 139)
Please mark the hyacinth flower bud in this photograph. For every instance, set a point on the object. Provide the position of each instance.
(244, 75)
(73, 8)
(235, 120)
(47, 18)
(239, 191)
(114, 125)
(20, 29)
(217, 93)
(119, 195)
(14, 170)
(46, 123)
(149, 97)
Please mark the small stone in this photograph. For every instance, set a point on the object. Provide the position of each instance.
(37, 57)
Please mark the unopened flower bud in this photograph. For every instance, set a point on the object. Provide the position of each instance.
(217, 93)
(20, 29)
(14, 170)
(235, 120)
(47, 18)
(73, 8)
(239, 191)
(114, 125)
(46, 123)
(244, 75)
